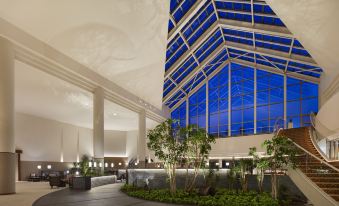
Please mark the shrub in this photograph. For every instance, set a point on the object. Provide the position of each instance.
(222, 197)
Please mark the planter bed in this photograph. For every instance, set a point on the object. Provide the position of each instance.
(222, 197)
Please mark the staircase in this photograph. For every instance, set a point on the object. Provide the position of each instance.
(325, 176)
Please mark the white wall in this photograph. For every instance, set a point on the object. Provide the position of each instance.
(237, 146)
(329, 113)
(40, 140)
(115, 143)
(131, 144)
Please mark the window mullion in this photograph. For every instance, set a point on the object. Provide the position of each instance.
(255, 102)
(229, 99)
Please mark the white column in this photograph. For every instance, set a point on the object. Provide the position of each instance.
(285, 101)
(7, 145)
(142, 139)
(98, 126)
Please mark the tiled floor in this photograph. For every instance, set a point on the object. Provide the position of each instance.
(99, 196)
(26, 193)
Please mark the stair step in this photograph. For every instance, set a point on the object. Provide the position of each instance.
(335, 196)
(331, 190)
(328, 184)
(324, 179)
(328, 175)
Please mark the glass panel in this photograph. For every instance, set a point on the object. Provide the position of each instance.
(262, 113)
(218, 106)
(309, 105)
(197, 108)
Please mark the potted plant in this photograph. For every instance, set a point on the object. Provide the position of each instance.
(82, 182)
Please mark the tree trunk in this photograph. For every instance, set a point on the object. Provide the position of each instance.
(192, 183)
(187, 177)
(261, 177)
(173, 185)
(274, 185)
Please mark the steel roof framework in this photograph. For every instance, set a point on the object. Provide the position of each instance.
(268, 47)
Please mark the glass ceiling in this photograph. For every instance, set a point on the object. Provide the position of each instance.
(206, 35)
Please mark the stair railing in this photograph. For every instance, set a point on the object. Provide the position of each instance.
(325, 163)
(320, 132)
(278, 128)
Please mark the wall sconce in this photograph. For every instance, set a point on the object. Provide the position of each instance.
(49, 167)
(100, 164)
(77, 173)
(67, 171)
(119, 163)
(106, 164)
(39, 167)
(90, 164)
(217, 163)
(94, 164)
(227, 164)
(126, 163)
(135, 163)
(112, 164)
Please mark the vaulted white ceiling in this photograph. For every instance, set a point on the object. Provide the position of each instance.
(40, 94)
(315, 24)
(123, 40)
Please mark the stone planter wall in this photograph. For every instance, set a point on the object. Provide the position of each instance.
(104, 180)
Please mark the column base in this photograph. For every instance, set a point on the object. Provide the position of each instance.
(101, 169)
(7, 173)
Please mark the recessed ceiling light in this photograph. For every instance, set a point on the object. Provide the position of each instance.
(115, 114)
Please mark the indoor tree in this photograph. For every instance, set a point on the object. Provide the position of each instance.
(261, 164)
(281, 154)
(168, 147)
(242, 169)
(198, 145)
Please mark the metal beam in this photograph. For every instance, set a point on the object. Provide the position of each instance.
(195, 8)
(196, 45)
(272, 70)
(215, 72)
(195, 71)
(244, 26)
(242, 2)
(259, 28)
(269, 53)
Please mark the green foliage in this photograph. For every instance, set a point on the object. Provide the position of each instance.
(232, 177)
(172, 146)
(221, 198)
(261, 164)
(211, 178)
(198, 146)
(166, 143)
(242, 170)
(281, 154)
(83, 166)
